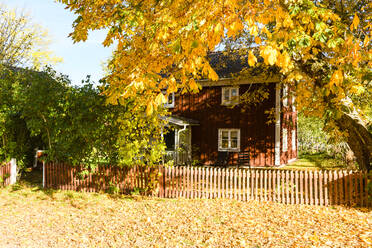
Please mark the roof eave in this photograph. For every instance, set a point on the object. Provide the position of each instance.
(232, 81)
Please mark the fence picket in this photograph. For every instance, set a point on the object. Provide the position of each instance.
(219, 183)
(256, 184)
(361, 189)
(287, 186)
(244, 189)
(327, 199)
(274, 187)
(214, 182)
(269, 188)
(321, 200)
(334, 188)
(341, 194)
(311, 182)
(249, 175)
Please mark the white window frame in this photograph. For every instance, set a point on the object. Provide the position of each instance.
(294, 147)
(229, 149)
(285, 96)
(285, 140)
(170, 105)
(230, 101)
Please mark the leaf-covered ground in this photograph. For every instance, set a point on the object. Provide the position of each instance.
(30, 217)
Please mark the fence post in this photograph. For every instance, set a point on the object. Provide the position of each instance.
(43, 174)
(13, 171)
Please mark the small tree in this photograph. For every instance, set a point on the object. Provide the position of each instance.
(22, 42)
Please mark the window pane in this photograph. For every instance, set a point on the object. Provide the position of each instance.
(234, 143)
(170, 99)
(225, 143)
(226, 94)
(234, 134)
(234, 92)
(225, 134)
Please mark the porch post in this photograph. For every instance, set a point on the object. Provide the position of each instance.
(176, 142)
(277, 124)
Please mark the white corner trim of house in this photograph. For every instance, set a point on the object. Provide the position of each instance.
(277, 124)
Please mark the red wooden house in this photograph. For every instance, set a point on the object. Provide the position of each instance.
(214, 120)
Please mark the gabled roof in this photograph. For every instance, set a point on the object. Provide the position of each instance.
(232, 63)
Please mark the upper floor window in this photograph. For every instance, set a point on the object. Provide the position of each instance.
(228, 140)
(285, 140)
(230, 95)
(285, 96)
(170, 101)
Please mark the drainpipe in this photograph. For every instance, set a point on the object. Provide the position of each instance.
(178, 140)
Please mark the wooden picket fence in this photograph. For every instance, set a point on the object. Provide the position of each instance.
(5, 170)
(277, 185)
(103, 178)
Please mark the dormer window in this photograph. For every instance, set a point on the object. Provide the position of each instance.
(170, 101)
(230, 95)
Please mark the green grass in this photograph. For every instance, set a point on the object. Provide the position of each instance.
(318, 161)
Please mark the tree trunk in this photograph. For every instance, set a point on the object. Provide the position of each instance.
(358, 138)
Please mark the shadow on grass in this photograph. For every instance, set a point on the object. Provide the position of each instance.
(320, 161)
(324, 161)
(33, 181)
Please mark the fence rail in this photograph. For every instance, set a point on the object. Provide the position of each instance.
(277, 185)
(5, 172)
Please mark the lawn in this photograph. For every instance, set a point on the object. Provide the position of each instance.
(31, 217)
(318, 161)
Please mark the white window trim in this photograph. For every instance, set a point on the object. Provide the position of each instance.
(170, 105)
(230, 101)
(294, 147)
(220, 149)
(285, 140)
(285, 96)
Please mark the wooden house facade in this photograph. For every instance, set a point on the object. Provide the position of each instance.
(215, 120)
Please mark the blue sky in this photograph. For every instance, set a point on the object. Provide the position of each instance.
(79, 59)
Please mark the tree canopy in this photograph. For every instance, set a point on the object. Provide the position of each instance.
(73, 123)
(23, 43)
(322, 48)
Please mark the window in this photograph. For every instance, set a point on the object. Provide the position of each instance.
(294, 140)
(285, 96)
(228, 140)
(230, 95)
(170, 101)
(285, 140)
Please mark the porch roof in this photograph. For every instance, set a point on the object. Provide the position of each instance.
(180, 121)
